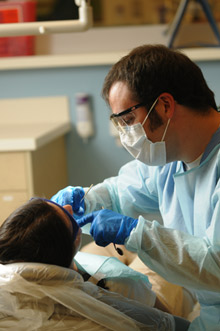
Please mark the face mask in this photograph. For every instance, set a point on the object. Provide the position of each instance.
(135, 140)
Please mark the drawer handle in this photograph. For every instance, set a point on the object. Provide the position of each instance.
(7, 198)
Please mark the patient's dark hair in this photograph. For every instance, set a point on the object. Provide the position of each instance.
(35, 232)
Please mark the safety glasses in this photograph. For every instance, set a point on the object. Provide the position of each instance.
(125, 118)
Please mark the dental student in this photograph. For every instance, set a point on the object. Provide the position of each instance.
(168, 121)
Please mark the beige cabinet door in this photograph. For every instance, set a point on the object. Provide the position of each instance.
(12, 171)
(31, 173)
(9, 201)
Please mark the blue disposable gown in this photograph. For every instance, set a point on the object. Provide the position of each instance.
(184, 250)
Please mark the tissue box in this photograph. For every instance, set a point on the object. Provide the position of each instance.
(14, 12)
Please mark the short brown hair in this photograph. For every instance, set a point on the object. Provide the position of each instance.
(150, 70)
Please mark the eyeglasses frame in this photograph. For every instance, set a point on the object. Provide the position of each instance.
(127, 111)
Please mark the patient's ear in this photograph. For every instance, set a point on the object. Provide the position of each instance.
(77, 245)
(78, 240)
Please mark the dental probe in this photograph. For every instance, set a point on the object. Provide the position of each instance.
(86, 192)
(118, 250)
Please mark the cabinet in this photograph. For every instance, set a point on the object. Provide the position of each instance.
(33, 155)
(31, 173)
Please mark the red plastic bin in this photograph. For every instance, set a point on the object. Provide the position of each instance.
(14, 12)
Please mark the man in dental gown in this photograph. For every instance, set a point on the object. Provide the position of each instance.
(168, 120)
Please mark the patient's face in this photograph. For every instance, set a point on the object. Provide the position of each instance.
(68, 223)
(78, 239)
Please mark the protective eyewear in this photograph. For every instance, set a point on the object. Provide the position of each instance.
(75, 225)
(126, 117)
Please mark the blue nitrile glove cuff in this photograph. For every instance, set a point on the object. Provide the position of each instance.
(108, 226)
(127, 225)
(71, 196)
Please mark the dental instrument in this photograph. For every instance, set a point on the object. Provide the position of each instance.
(86, 192)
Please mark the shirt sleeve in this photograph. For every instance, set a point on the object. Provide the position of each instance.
(133, 192)
(179, 257)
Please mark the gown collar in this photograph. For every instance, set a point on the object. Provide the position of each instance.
(211, 145)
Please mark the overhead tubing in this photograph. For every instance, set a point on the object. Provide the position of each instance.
(84, 22)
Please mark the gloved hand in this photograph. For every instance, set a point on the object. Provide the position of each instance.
(108, 226)
(71, 196)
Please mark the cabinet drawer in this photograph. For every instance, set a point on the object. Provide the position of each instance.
(9, 201)
(12, 171)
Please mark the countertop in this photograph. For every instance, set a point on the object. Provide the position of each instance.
(29, 137)
(30, 123)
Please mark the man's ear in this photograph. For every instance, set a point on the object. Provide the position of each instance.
(168, 103)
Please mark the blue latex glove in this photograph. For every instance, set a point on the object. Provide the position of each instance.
(71, 196)
(108, 226)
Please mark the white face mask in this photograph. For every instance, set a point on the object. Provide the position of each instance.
(135, 140)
